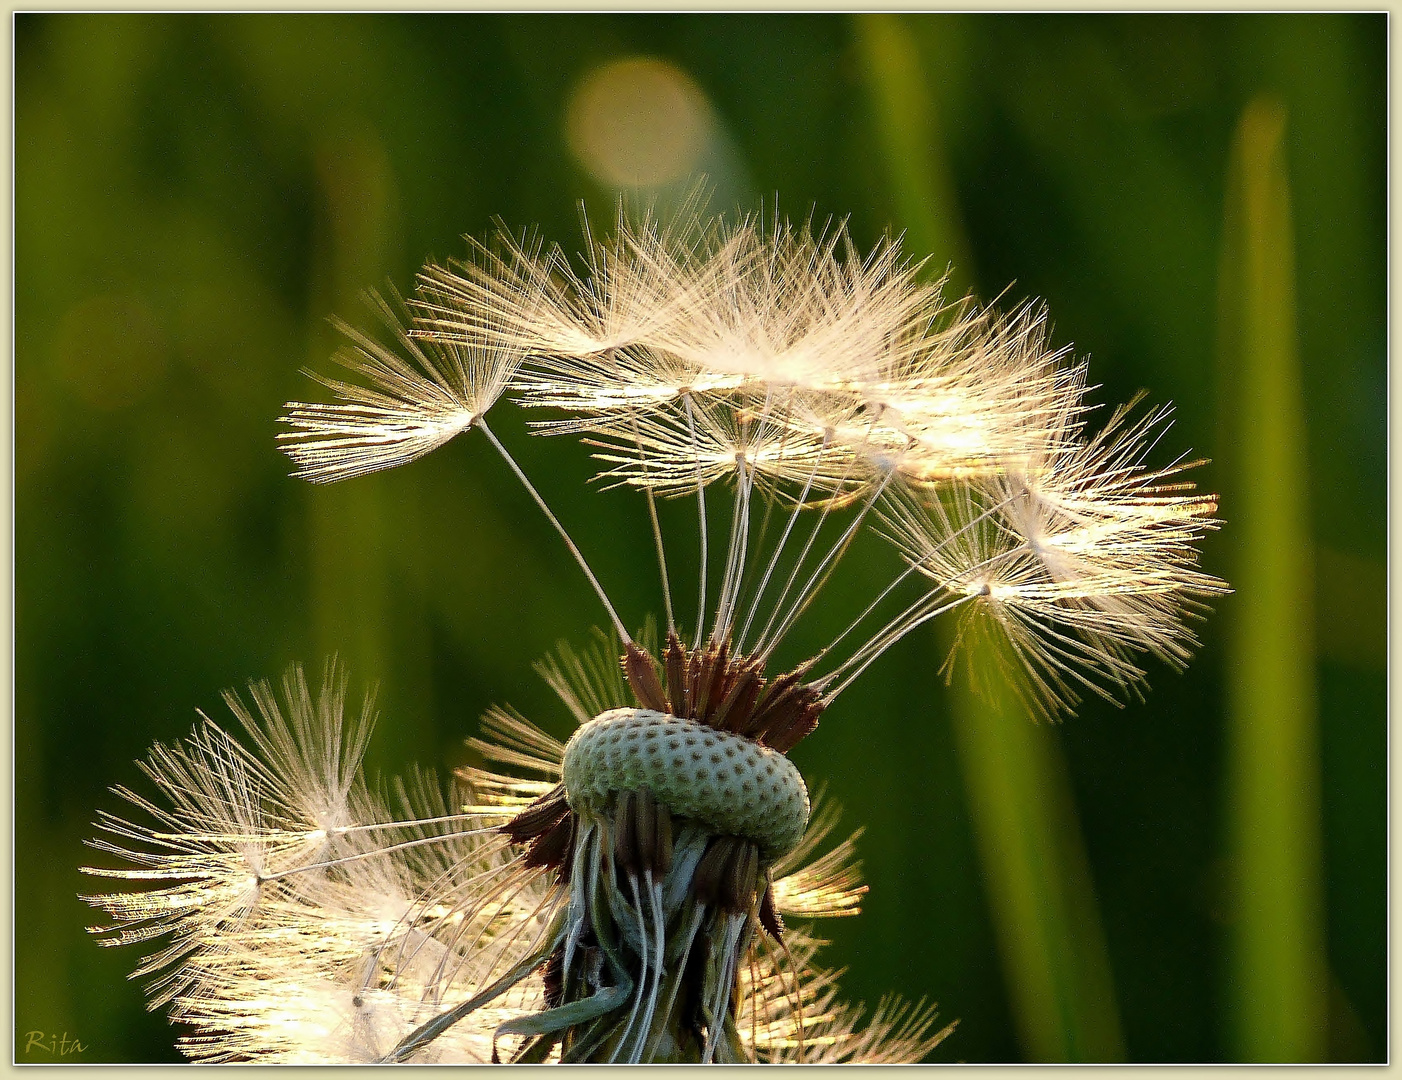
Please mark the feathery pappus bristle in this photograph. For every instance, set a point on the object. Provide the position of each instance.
(515, 296)
(422, 393)
(1081, 560)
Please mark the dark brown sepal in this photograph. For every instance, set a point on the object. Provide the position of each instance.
(714, 664)
(553, 977)
(736, 710)
(641, 671)
(727, 693)
(625, 835)
(540, 817)
(662, 843)
(567, 863)
(645, 829)
(744, 879)
(642, 835)
(693, 987)
(675, 663)
(774, 695)
(706, 879)
(693, 684)
(552, 848)
(769, 916)
(787, 712)
(727, 874)
(796, 721)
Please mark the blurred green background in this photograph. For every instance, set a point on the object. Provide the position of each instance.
(1199, 199)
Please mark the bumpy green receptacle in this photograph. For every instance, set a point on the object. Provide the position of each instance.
(722, 780)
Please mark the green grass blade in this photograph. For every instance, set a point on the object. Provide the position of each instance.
(906, 117)
(1277, 970)
(1038, 880)
(1043, 906)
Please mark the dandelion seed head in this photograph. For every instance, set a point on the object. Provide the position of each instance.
(726, 781)
(624, 895)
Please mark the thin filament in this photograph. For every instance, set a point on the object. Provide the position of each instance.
(656, 529)
(891, 639)
(828, 564)
(779, 548)
(732, 548)
(403, 846)
(701, 510)
(760, 648)
(915, 565)
(735, 567)
(578, 557)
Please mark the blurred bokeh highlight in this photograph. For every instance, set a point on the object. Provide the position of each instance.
(1199, 199)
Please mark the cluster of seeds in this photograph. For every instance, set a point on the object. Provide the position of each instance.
(626, 902)
(783, 362)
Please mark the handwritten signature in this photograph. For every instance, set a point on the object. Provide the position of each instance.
(61, 1045)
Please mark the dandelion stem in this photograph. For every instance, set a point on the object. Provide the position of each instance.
(579, 558)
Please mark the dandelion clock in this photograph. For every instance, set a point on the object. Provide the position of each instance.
(649, 889)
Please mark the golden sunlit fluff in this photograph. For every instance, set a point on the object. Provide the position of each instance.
(1079, 561)
(625, 896)
(313, 920)
(424, 394)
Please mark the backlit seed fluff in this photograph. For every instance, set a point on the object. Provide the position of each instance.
(421, 393)
(624, 894)
(301, 941)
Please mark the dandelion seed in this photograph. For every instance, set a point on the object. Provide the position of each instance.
(1083, 559)
(422, 394)
(516, 298)
(985, 395)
